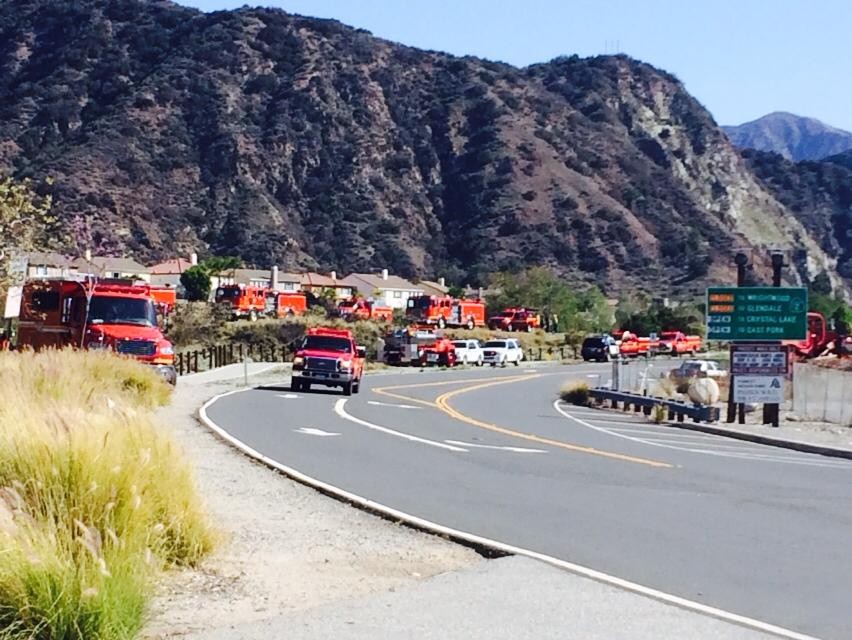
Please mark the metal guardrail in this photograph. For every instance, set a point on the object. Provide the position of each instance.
(675, 410)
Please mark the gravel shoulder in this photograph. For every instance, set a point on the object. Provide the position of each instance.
(285, 548)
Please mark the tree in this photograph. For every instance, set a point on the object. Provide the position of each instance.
(25, 220)
(217, 265)
(455, 291)
(196, 282)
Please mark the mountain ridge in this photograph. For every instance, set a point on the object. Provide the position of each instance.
(793, 137)
(308, 144)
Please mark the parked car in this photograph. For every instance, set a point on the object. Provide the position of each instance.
(697, 369)
(600, 348)
(502, 352)
(468, 352)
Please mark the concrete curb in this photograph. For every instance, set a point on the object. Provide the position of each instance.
(804, 447)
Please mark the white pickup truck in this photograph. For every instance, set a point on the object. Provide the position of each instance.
(502, 352)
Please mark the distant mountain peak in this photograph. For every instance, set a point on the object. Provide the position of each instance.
(792, 136)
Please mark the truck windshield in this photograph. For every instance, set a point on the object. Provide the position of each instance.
(326, 343)
(115, 310)
(420, 302)
(226, 293)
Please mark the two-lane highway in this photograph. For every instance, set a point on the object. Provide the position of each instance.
(752, 530)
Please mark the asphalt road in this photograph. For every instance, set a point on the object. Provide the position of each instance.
(754, 530)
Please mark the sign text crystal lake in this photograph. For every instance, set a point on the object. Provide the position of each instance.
(756, 313)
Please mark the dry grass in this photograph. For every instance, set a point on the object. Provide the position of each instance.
(93, 499)
(575, 393)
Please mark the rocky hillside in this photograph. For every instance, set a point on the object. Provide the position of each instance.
(305, 143)
(817, 193)
(792, 136)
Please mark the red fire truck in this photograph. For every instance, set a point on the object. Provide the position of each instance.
(283, 304)
(328, 357)
(445, 311)
(89, 315)
(359, 309)
(631, 346)
(677, 343)
(515, 319)
(244, 301)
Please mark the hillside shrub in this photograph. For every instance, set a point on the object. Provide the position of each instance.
(94, 500)
(575, 393)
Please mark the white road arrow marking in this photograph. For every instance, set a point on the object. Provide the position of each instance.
(390, 404)
(310, 431)
(491, 446)
(288, 396)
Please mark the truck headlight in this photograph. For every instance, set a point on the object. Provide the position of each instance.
(298, 362)
(344, 364)
(166, 349)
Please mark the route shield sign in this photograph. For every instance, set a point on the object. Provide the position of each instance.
(757, 313)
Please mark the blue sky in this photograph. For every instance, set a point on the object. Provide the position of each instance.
(740, 58)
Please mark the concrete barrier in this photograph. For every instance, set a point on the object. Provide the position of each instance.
(822, 394)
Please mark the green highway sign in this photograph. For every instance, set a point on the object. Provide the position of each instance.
(757, 313)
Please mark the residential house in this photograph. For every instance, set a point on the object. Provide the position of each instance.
(266, 278)
(167, 274)
(111, 267)
(391, 291)
(316, 283)
(48, 265)
(431, 288)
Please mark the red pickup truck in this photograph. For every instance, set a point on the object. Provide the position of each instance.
(678, 343)
(328, 357)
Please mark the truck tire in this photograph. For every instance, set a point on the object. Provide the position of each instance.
(517, 362)
(470, 324)
(503, 363)
(347, 388)
(295, 385)
(357, 387)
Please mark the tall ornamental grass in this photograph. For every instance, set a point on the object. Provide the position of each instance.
(94, 500)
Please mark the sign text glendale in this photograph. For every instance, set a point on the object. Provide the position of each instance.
(756, 313)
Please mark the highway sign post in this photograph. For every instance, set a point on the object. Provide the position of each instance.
(757, 313)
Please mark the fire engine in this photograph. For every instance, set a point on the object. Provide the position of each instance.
(244, 301)
(419, 345)
(445, 311)
(328, 357)
(359, 309)
(515, 319)
(91, 315)
(283, 304)
(819, 340)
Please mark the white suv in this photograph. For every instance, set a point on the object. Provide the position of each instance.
(502, 352)
(468, 352)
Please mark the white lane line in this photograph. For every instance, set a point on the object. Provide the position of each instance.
(310, 431)
(471, 538)
(496, 447)
(376, 403)
(288, 396)
(340, 409)
(768, 457)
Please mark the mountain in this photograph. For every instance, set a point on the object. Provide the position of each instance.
(792, 136)
(305, 143)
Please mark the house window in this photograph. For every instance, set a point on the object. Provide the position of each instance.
(41, 270)
(397, 294)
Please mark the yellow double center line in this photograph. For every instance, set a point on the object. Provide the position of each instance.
(442, 404)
